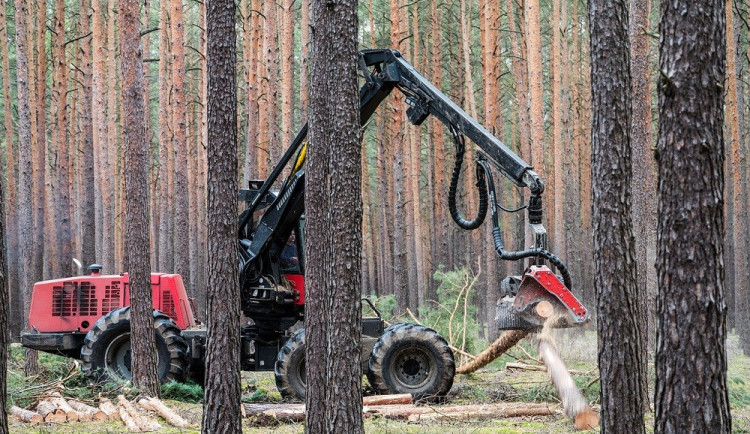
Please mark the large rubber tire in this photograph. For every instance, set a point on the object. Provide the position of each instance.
(106, 349)
(289, 369)
(410, 358)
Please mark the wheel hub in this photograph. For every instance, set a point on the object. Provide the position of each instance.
(412, 367)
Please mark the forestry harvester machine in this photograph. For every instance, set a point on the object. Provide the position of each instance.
(88, 317)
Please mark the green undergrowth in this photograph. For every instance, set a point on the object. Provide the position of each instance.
(183, 392)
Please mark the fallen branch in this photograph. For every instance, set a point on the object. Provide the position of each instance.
(527, 367)
(495, 350)
(168, 414)
(27, 416)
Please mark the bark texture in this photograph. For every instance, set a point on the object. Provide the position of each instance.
(617, 292)
(4, 311)
(222, 402)
(334, 386)
(137, 251)
(691, 362)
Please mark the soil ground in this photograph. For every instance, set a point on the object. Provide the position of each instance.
(492, 384)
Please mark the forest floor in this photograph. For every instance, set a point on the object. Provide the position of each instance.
(493, 384)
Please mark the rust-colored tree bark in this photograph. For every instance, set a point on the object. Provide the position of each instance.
(287, 72)
(179, 141)
(137, 252)
(334, 210)
(737, 160)
(222, 402)
(98, 118)
(270, 47)
(691, 361)
(39, 115)
(166, 244)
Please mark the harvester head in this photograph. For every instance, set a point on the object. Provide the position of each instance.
(538, 296)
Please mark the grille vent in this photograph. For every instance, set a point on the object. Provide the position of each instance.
(112, 297)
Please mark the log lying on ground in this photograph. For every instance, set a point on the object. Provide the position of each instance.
(128, 420)
(155, 405)
(410, 412)
(70, 414)
(501, 345)
(144, 422)
(527, 367)
(281, 412)
(574, 403)
(50, 412)
(27, 416)
(112, 412)
(401, 398)
(84, 409)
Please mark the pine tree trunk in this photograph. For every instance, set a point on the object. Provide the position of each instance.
(4, 289)
(619, 312)
(25, 175)
(304, 74)
(98, 118)
(441, 217)
(88, 222)
(138, 257)
(737, 161)
(644, 185)
(222, 397)
(270, 47)
(16, 313)
(691, 361)
(179, 142)
(287, 73)
(108, 172)
(166, 246)
(334, 386)
(40, 140)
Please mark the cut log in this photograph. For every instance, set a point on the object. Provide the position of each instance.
(484, 412)
(168, 414)
(70, 414)
(527, 367)
(145, 423)
(50, 412)
(27, 416)
(92, 412)
(501, 345)
(128, 420)
(283, 412)
(544, 309)
(402, 398)
(112, 412)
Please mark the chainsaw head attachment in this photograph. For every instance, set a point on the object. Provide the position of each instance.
(528, 302)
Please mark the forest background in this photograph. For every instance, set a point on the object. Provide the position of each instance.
(520, 67)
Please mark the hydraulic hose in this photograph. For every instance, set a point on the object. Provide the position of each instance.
(522, 254)
(480, 184)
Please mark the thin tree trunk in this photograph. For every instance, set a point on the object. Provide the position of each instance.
(25, 175)
(110, 144)
(166, 246)
(179, 141)
(287, 73)
(4, 298)
(304, 75)
(137, 262)
(16, 313)
(222, 398)
(88, 222)
(98, 119)
(40, 141)
(270, 42)
(535, 77)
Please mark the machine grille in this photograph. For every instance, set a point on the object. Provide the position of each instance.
(112, 297)
(167, 305)
(63, 299)
(87, 305)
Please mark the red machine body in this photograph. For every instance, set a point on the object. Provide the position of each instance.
(74, 304)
